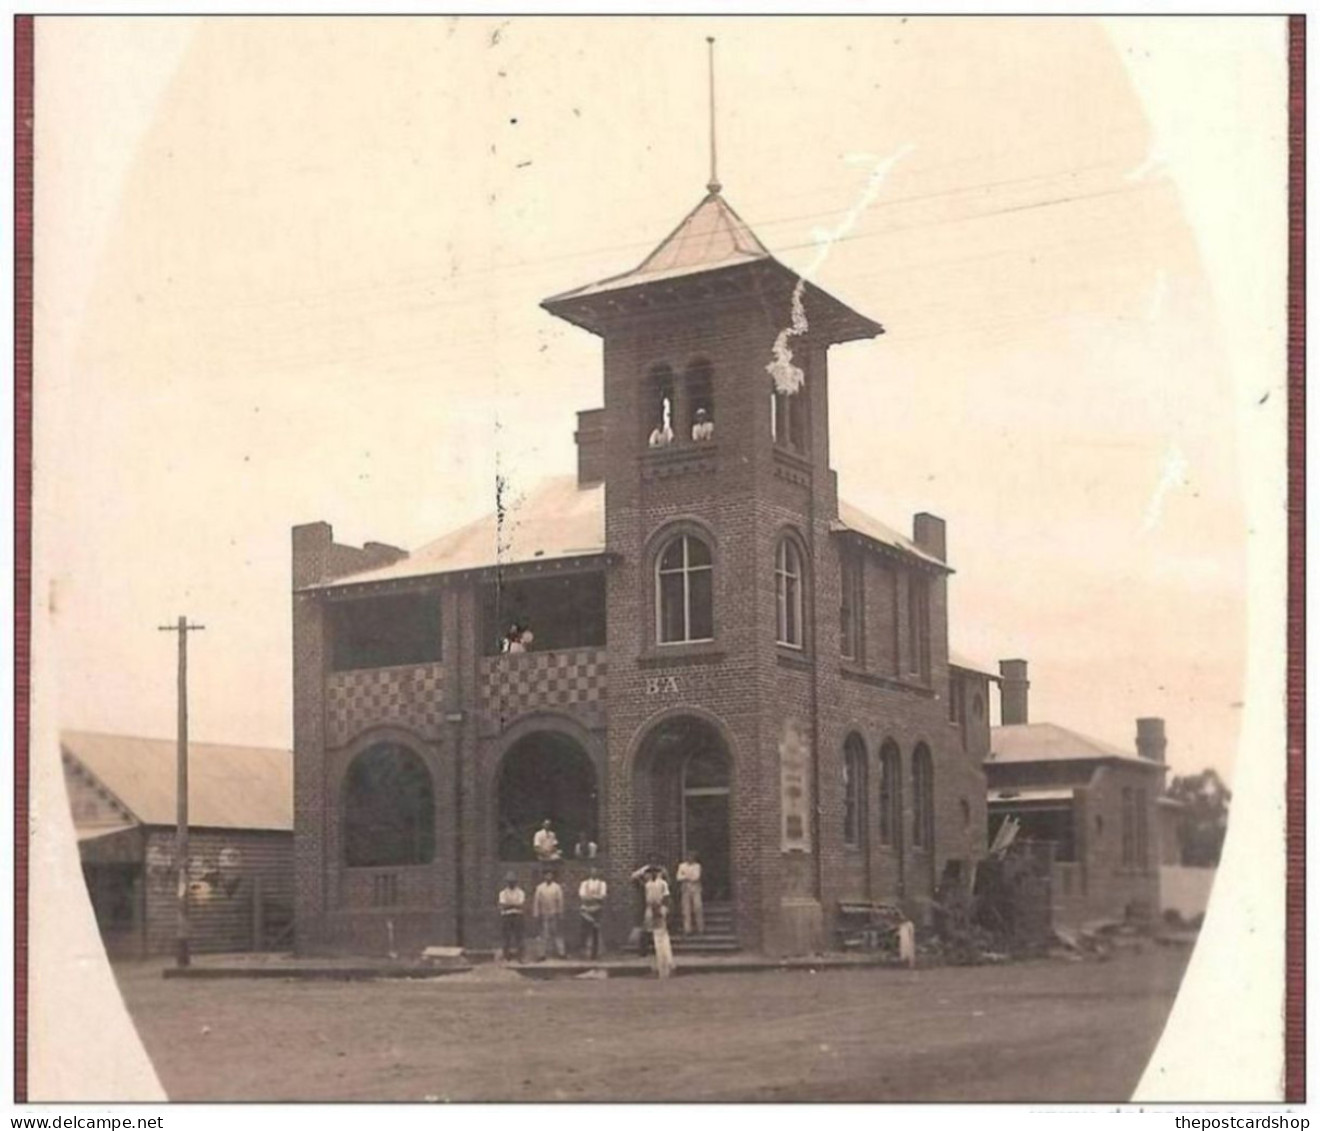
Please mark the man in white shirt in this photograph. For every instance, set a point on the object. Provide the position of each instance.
(655, 891)
(545, 844)
(703, 428)
(548, 907)
(512, 900)
(591, 896)
(689, 883)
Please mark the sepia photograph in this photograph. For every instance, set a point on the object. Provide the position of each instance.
(658, 559)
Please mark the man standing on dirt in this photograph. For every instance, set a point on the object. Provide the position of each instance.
(689, 884)
(591, 896)
(512, 901)
(548, 906)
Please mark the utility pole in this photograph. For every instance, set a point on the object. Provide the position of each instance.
(182, 956)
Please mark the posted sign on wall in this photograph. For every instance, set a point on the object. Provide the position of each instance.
(795, 787)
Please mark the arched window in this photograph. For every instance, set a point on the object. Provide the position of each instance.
(658, 423)
(788, 593)
(891, 794)
(854, 791)
(923, 798)
(546, 776)
(389, 809)
(700, 383)
(684, 591)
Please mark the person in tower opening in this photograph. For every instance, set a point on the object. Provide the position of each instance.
(703, 428)
(548, 907)
(545, 844)
(586, 848)
(689, 885)
(512, 900)
(662, 434)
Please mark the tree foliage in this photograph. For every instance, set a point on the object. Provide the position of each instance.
(1204, 817)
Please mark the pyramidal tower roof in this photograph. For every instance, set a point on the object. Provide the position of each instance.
(712, 252)
(709, 237)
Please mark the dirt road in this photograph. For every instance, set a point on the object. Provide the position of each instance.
(1043, 1030)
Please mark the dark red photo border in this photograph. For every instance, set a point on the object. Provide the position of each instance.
(1295, 1007)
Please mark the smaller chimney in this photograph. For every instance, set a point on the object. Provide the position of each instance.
(1013, 685)
(1150, 740)
(590, 437)
(928, 534)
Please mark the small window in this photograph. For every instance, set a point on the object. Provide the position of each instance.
(1129, 829)
(851, 616)
(891, 794)
(964, 806)
(788, 420)
(684, 591)
(658, 412)
(923, 798)
(382, 632)
(854, 791)
(918, 626)
(701, 402)
(1143, 830)
(788, 593)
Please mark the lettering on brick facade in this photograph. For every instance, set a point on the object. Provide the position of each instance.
(662, 685)
(795, 787)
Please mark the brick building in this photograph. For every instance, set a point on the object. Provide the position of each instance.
(1096, 804)
(726, 658)
(240, 849)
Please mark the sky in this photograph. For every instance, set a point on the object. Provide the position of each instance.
(289, 270)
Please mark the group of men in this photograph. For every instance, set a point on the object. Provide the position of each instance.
(548, 909)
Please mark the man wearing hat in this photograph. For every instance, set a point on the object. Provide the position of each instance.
(591, 905)
(512, 899)
(703, 428)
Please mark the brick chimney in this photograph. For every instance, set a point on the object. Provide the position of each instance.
(1013, 685)
(1150, 740)
(590, 437)
(928, 534)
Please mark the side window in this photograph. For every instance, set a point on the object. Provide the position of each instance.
(700, 384)
(851, 607)
(788, 594)
(918, 626)
(854, 792)
(788, 421)
(923, 798)
(891, 794)
(684, 591)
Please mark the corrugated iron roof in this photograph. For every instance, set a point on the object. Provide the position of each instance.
(711, 236)
(229, 787)
(1048, 742)
(557, 519)
(961, 660)
(859, 522)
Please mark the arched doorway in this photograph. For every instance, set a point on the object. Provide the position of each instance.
(684, 787)
(545, 775)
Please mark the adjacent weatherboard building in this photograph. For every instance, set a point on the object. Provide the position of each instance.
(724, 656)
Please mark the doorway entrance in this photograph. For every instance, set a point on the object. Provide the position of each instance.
(683, 779)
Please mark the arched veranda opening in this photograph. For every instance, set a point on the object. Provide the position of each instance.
(683, 787)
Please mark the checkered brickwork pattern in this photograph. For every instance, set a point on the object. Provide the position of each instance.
(512, 684)
(408, 697)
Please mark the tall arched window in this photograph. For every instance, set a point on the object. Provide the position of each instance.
(854, 792)
(923, 798)
(891, 794)
(788, 593)
(389, 809)
(684, 591)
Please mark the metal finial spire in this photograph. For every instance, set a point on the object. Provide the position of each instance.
(713, 185)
